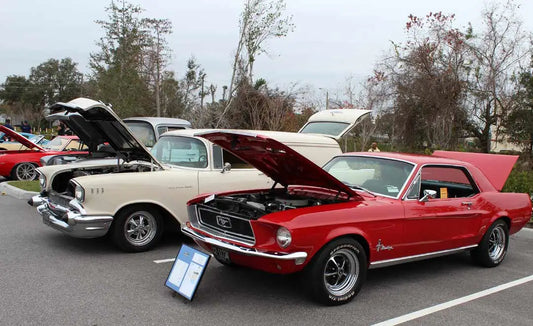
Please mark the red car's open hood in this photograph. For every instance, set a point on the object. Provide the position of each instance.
(21, 139)
(495, 167)
(276, 160)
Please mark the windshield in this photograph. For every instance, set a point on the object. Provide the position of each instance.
(143, 131)
(381, 176)
(325, 128)
(64, 144)
(181, 151)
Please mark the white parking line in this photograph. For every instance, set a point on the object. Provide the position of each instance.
(449, 304)
(162, 261)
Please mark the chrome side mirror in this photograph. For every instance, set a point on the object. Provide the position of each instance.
(226, 168)
(428, 194)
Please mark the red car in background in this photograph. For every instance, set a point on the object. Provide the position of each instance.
(360, 211)
(21, 164)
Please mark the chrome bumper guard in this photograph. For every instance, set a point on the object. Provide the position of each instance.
(72, 222)
(298, 257)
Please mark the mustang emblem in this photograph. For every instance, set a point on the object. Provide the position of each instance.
(224, 221)
(380, 247)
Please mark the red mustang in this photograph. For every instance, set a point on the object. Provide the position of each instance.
(21, 164)
(360, 211)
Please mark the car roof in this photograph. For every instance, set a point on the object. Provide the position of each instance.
(281, 136)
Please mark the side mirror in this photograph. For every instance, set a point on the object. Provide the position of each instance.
(226, 168)
(428, 194)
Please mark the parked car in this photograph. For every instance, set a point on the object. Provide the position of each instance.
(15, 145)
(90, 201)
(362, 210)
(146, 130)
(21, 164)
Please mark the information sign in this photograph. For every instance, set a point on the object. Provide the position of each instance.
(187, 271)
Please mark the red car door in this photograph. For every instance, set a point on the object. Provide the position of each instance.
(450, 220)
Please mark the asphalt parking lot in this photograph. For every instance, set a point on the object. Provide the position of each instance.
(47, 278)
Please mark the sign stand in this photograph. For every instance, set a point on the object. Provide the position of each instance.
(187, 271)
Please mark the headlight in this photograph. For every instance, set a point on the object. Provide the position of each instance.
(42, 181)
(79, 193)
(283, 237)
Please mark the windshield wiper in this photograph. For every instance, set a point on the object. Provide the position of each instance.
(361, 188)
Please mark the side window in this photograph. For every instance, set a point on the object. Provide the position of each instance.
(236, 163)
(414, 190)
(218, 163)
(447, 181)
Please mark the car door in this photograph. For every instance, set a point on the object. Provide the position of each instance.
(239, 176)
(450, 220)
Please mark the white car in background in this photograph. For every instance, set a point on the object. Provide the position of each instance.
(90, 201)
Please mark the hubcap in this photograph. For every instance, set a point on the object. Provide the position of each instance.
(140, 228)
(25, 172)
(497, 243)
(341, 272)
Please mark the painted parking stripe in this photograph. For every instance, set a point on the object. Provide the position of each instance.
(449, 304)
(162, 261)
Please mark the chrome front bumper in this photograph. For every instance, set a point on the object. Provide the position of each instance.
(70, 221)
(298, 257)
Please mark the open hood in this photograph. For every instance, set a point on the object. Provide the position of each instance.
(21, 139)
(278, 161)
(95, 123)
(334, 123)
(495, 167)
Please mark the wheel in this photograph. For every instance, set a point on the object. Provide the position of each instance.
(493, 246)
(337, 272)
(24, 172)
(137, 228)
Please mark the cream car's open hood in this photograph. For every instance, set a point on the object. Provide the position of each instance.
(96, 124)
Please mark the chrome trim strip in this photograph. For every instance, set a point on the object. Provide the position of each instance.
(299, 256)
(395, 261)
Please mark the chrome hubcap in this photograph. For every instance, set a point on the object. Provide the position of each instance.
(26, 172)
(496, 243)
(140, 228)
(341, 272)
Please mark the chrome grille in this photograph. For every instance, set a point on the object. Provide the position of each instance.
(221, 224)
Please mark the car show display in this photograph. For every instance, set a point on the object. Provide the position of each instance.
(139, 194)
(360, 211)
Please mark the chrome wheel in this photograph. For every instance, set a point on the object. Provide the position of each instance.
(341, 272)
(25, 172)
(140, 228)
(497, 240)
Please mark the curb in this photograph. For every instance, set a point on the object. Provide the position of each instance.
(6, 189)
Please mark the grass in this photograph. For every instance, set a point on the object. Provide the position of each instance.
(26, 185)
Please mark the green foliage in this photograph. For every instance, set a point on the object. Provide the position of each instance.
(520, 181)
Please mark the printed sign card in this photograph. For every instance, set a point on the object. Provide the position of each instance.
(187, 271)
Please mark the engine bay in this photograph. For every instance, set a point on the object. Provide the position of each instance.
(254, 205)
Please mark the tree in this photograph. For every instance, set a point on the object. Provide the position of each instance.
(117, 67)
(519, 123)
(158, 55)
(425, 79)
(260, 21)
(497, 53)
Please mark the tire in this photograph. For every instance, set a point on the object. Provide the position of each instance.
(137, 228)
(24, 172)
(337, 272)
(493, 246)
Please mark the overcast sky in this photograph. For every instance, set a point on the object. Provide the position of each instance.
(333, 39)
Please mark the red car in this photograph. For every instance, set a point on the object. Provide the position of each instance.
(360, 211)
(21, 164)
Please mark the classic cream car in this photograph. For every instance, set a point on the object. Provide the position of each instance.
(134, 208)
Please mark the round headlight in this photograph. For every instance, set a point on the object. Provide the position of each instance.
(283, 237)
(42, 181)
(79, 193)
